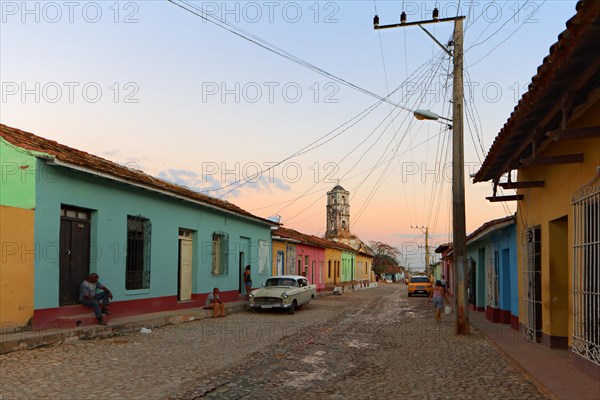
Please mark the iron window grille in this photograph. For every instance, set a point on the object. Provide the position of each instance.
(220, 253)
(137, 268)
(532, 285)
(586, 271)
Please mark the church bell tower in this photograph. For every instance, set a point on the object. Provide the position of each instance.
(338, 213)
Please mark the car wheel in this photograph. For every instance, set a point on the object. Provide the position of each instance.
(292, 309)
(409, 295)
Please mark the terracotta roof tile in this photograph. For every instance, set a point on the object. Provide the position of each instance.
(82, 159)
(554, 74)
(310, 239)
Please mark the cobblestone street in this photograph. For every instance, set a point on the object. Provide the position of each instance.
(373, 343)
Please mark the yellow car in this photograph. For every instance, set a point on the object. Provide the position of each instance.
(419, 285)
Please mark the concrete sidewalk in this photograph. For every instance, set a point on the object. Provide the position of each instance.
(551, 370)
(117, 326)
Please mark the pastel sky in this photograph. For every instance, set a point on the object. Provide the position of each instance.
(153, 86)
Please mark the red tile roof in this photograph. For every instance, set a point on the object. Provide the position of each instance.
(575, 54)
(81, 159)
(310, 239)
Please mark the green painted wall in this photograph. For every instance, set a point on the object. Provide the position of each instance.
(18, 176)
(111, 202)
(348, 265)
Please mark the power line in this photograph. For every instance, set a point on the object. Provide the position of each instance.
(315, 143)
(499, 29)
(502, 42)
(273, 48)
(356, 147)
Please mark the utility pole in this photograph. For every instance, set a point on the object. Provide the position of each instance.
(425, 230)
(458, 185)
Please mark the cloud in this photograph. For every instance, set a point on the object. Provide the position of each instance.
(210, 185)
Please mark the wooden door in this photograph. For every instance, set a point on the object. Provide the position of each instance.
(74, 254)
(185, 265)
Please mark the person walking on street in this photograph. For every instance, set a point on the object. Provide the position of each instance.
(213, 301)
(248, 282)
(90, 297)
(439, 296)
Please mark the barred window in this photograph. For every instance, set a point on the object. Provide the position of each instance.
(137, 268)
(263, 257)
(220, 251)
(586, 271)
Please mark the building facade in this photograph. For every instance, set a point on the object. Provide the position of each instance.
(493, 277)
(156, 245)
(551, 143)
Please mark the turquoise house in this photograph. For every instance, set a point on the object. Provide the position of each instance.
(492, 275)
(156, 245)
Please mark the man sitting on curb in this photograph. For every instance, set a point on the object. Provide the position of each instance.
(89, 296)
(213, 301)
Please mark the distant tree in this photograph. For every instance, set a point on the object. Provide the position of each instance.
(384, 248)
(384, 256)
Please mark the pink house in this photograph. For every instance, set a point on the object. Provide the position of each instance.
(311, 259)
(309, 255)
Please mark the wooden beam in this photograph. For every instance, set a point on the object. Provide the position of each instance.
(562, 159)
(525, 138)
(574, 133)
(514, 197)
(521, 185)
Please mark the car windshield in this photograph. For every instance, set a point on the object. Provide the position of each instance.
(281, 282)
(419, 279)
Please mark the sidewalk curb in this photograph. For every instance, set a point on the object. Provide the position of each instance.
(27, 340)
(543, 389)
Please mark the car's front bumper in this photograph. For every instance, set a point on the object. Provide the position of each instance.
(258, 303)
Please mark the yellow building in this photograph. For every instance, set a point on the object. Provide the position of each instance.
(552, 142)
(332, 266)
(18, 252)
(284, 255)
(364, 262)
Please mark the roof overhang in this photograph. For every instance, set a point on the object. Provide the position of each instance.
(565, 85)
(488, 230)
(54, 161)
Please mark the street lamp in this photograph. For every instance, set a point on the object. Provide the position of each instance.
(428, 115)
(458, 216)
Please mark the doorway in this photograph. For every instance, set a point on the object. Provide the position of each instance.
(532, 286)
(74, 259)
(280, 263)
(472, 282)
(184, 286)
(244, 258)
(559, 283)
(242, 263)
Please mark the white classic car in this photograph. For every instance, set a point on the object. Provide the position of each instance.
(284, 292)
